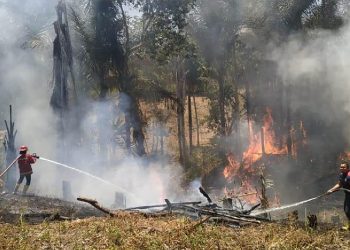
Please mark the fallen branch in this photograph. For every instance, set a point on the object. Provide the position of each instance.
(95, 204)
(205, 194)
(251, 209)
(199, 223)
(164, 205)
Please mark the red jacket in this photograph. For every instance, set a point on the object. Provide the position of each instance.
(24, 162)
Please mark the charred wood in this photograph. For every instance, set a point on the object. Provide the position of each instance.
(95, 204)
(205, 194)
(164, 205)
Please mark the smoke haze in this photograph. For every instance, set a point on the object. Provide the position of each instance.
(318, 64)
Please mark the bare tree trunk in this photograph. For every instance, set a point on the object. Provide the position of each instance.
(62, 69)
(161, 145)
(289, 123)
(190, 126)
(248, 105)
(236, 120)
(102, 85)
(262, 137)
(196, 117)
(10, 151)
(222, 102)
(180, 85)
(127, 132)
(133, 121)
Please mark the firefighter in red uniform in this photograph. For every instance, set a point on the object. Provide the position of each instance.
(25, 169)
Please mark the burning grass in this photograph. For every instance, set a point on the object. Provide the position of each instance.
(134, 231)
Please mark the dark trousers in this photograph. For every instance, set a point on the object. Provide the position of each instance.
(347, 205)
(28, 179)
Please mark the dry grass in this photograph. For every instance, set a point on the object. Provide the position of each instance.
(134, 231)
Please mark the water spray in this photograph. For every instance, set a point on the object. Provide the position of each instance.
(135, 198)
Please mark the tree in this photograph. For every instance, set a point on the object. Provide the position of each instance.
(108, 51)
(62, 69)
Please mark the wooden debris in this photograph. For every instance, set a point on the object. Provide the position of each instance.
(95, 204)
(198, 224)
(164, 205)
(211, 212)
(205, 194)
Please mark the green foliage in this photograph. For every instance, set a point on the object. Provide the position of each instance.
(166, 36)
(101, 36)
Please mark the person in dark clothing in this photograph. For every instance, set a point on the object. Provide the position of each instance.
(344, 184)
(25, 169)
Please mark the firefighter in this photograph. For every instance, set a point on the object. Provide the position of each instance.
(25, 169)
(344, 183)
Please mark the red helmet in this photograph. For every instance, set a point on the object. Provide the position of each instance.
(23, 149)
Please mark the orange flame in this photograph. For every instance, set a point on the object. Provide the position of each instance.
(258, 147)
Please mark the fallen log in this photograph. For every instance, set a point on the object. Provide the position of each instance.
(95, 204)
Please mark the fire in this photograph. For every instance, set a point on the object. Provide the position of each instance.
(159, 185)
(261, 143)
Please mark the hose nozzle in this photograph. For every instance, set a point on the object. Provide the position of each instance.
(35, 155)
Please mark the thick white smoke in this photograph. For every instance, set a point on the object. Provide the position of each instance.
(25, 74)
(320, 60)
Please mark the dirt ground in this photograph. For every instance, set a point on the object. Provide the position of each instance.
(35, 209)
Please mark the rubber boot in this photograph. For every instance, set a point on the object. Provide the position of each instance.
(16, 188)
(25, 188)
(346, 227)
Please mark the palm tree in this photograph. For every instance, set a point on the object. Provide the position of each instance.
(108, 49)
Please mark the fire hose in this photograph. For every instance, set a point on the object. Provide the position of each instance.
(297, 203)
(7, 169)
(344, 189)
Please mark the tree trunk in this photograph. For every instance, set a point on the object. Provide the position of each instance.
(222, 131)
(133, 121)
(248, 105)
(196, 117)
(10, 152)
(289, 123)
(180, 85)
(190, 123)
(237, 118)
